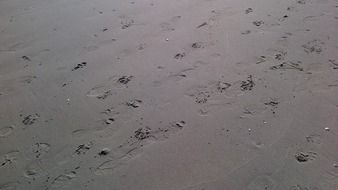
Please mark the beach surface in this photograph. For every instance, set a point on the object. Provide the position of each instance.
(168, 95)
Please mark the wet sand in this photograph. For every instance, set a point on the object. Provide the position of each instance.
(169, 95)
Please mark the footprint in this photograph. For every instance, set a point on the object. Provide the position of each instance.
(124, 79)
(79, 66)
(134, 103)
(314, 139)
(6, 131)
(34, 170)
(198, 45)
(166, 26)
(333, 63)
(248, 10)
(40, 149)
(79, 132)
(62, 180)
(260, 59)
(167, 131)
(141, 46)
(146, 133)
(110, 111)
(200, 94)
(314, 46)
(312, 18)
(30, 119)
(300, 187)
(262, 183)
(222, 86)
(27, 79)
(126, 22)
(83, 148)
(175, 18)
(302, 2)
(254, 109)
(99, 92)
(179, 55)
(248, 84)
(201, 25)
(9, 186)
(9, 158)
(258, 23)
(108, 121)
(303, 157)
(288, 65)
(245, 32)
(26, 58)
(278, 54)
(292, 9)
(169, 25)
(108, 166)
(283, 18)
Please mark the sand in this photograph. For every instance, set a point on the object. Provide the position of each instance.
(169, 95)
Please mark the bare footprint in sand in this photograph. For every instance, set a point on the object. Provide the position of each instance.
(62, 180)
(6, 131)
(34, 170)
(314, 46)
(99, 92)
(40, 149)
(9, 158)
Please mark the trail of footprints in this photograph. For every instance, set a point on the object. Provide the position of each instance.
(144, 136)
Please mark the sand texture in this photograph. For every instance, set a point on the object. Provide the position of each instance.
(168, 95)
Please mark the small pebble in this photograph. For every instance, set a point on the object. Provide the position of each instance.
(327, 129)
